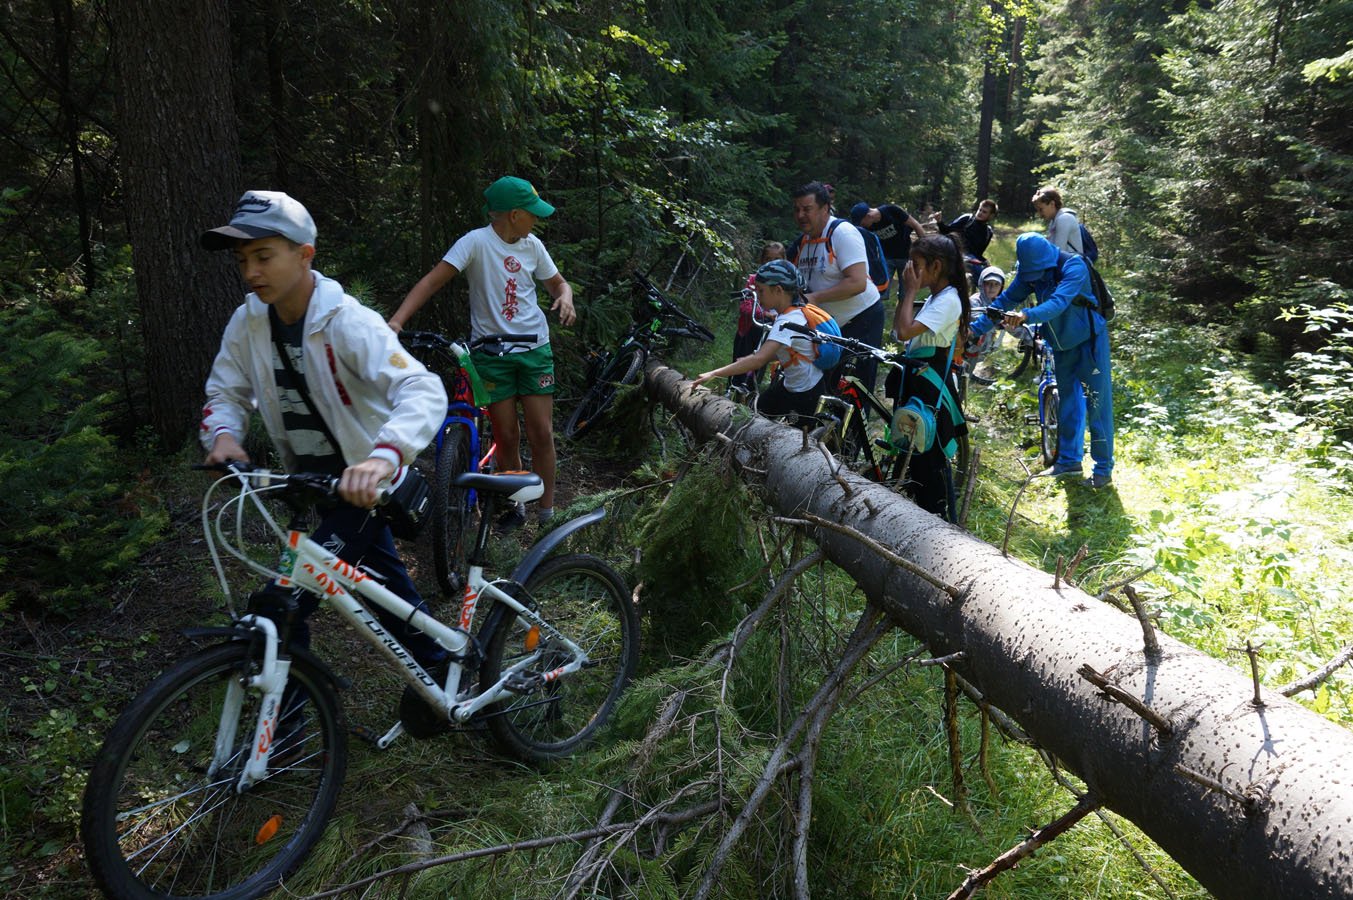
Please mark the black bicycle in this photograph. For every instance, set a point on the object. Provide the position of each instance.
(656, 320)
(878, 446)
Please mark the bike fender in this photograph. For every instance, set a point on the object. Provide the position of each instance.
(547, 545)
(231, 633)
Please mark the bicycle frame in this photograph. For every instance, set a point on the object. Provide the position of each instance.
(309, 566)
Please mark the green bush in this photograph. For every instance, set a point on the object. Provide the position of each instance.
(75, 514)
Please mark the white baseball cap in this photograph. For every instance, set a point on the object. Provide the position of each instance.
(261, 214)
(992, 273)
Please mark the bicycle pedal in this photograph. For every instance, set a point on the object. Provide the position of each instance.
(1030, 419)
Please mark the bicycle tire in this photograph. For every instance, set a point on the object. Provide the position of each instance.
(625, 368)
(450, 507)
(962, 458)
(155, 824)
(1026, 357)
(1047, 438)
(585, 599)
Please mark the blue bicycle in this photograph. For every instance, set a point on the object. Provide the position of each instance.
(1035, 347)
(464, 443)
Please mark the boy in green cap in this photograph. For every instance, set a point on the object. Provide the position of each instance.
(503, 261)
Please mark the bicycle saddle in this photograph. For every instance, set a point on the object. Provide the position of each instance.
(519, 487)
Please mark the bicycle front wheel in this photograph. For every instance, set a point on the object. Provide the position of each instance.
(586, 600)
(1047, 438)
(160, 821)
(625, 368)
(450, 508)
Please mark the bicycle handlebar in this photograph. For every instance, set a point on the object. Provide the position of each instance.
(431, 340)
(693, 328)
(856, 347)
(316, 483)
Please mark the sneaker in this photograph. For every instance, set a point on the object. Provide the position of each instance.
(1098, 481)
(1057, 470)
(511, 520)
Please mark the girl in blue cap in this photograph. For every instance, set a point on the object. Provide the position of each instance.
(800, 383)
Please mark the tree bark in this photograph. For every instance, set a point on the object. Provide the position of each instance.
(1025, 641)
(180, 170)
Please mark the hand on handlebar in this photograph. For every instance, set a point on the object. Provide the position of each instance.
(360, 484)
(1013, 320)
(225, 449)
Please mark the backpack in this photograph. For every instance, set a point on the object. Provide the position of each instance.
(879, 272)
(1103, 296)
(1088, 245)
(828, 355)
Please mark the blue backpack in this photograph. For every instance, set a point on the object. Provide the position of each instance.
(879, 272)
(828, 355)
(1088, 244)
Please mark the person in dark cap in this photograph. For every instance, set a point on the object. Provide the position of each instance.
(336, 394)
(503, 261)
(894, 227)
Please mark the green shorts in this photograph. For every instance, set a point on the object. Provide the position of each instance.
(516, 374)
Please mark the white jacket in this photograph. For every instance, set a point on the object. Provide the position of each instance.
(376, 399)
(1065, 231)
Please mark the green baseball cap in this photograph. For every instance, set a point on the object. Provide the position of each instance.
(508, 193)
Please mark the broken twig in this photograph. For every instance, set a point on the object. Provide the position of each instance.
(1114, 692)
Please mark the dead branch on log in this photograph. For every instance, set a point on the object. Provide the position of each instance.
(1057, 578)
(890, 669)
(1114, 692)
(1026, 848)
(1252, 652)
(955, 746)
(871, 626)
(1249, 804)
(1076, 560)
(1004, 724)
(1110, 588)
(1150, 646)
(969, 488)
(1320, 675)
(1010, 520)
(808, 519)
(834, 465)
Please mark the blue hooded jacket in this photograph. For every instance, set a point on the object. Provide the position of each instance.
(1056, 278)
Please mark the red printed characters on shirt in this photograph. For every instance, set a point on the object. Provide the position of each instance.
(510, 299)
(512, 264)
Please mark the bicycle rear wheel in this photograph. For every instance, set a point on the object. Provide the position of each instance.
(625, 368)
(1047, 438)
(158, 823)
(586, 600)
(450, 508)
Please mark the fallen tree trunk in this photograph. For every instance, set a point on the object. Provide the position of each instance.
(1254, 801)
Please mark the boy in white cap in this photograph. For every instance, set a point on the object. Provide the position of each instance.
(503, 261)
(334, 388)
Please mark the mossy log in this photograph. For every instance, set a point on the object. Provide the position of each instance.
(1255, 801)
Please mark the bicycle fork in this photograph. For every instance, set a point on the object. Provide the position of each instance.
(271, 679)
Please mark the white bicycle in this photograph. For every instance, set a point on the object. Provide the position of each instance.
(221, 775)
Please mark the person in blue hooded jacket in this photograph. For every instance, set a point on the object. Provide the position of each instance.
(1079, 338)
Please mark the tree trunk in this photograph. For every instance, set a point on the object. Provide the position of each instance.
(1278, 827)
(985, 122)
(180, 173)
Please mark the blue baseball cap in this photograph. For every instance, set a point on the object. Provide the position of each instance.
(781, 272)
(261, 214)
(858, 212)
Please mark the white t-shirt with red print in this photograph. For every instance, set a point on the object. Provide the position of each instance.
(502, 277)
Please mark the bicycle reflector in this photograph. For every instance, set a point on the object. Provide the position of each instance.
(269, 829)
(532, 638)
